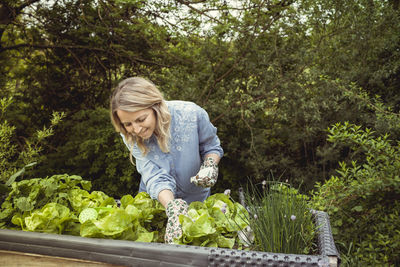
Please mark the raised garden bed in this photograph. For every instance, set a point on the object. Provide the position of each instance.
(129, 253)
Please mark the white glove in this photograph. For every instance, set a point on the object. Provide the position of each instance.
(207, 175)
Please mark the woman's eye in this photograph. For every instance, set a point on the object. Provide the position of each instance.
(141, 119)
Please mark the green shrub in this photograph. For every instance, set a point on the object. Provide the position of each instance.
(8, 150)
(363, 200)
(14, 159)
(88, 146)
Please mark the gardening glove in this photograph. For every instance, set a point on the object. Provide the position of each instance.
(207, 175)
(175, 208)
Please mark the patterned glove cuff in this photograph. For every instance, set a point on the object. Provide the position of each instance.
(209, 162)
(176, 207)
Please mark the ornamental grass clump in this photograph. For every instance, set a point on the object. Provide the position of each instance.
(280, 219)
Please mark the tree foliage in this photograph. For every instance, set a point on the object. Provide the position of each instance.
(363, 198)
(16, 159)
(273, 75)
(265, 71)
(89, 146)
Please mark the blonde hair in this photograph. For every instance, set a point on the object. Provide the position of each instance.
(134, 94)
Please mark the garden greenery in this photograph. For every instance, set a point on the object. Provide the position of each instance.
(214, 222)
(363, 198)
(54, 205)
(280, 218)
(273, 76)
(94, 151)
(64, 204)
(15, 159)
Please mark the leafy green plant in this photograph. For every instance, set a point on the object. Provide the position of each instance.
(51, 218)
(33, 194)
(280, 218)
(90, 148)
(14, 160)
(138, 219)
(63, 204)
(214, 223)
(363, 199)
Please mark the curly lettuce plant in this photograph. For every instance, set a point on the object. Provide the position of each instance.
(213, 223)
(62, 204)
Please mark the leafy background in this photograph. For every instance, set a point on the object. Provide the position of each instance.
(280, 80)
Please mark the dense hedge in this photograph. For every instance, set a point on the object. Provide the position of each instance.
(363, 199)
(93, 150)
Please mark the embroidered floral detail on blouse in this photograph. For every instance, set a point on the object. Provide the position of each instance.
(192, 137)
(185, 123)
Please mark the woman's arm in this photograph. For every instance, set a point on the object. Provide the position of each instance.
(210, 149)
(209, 143)
(215, 157)
(165, 196)
(155, 177)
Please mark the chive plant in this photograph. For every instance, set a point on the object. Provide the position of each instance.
(280, 218)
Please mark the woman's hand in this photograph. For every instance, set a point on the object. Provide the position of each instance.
(208, 173)
(174, 208)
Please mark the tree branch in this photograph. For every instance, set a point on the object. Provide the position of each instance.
(79, 62)
(67, 47)
(188, 4)
(25, 4)
(8, 15)
(235, 104)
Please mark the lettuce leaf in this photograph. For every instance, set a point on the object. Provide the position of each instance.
(214, 223)
(81, 199)
(54, 204)
(131, 221)
(52, 218)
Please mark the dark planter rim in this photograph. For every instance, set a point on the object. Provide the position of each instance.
(129, 253)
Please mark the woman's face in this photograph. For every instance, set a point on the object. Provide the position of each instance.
(141, 123)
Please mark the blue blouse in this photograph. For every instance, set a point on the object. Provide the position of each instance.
(192, 137)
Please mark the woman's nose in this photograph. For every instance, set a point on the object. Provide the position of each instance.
(137, 129)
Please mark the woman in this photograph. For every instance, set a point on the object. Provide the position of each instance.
(175, 146)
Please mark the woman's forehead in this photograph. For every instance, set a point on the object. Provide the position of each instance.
(132, 116)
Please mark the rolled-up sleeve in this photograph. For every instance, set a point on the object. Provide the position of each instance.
(208, 139)
(154, 177)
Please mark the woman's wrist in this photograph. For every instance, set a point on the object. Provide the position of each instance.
(165, 196)
(214, 156)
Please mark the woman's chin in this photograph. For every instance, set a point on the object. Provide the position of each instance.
(146, 135)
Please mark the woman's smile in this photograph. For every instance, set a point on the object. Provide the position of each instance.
(143, 134)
